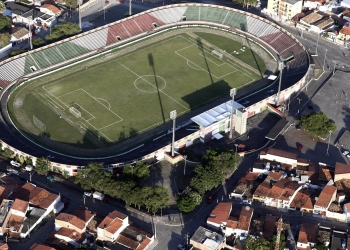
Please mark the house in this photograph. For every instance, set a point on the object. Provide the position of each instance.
(269, 226)
(299, 200)
(7, 187)
(264, 188)
(308, 234)
(346, 15)
(277, 155)
(72, 227)
(327, 195)
(219, 216)
(240, 226)
(284, 9)
(344, 33)
(24, 14)
(314, 4)
(341, 171)
(51, 10)
(40, 247)
(134, 238)
(112, 225)
(346, 208)
(206, 239)
(339, 240)
(243, 189)
(19, 33)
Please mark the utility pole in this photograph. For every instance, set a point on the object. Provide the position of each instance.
(84, 197)
(329, 141)
(318, 38)
(187, 236)
(279, 230)
(185, 157)
(79, 19)
(30, 176)
(232, 94)
(173, 115)
(324, 62)
(130, 13)
(280, 66)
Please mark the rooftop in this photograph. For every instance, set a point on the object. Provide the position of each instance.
(84, 214)
(220, 213)
(311, 18)
(308, 233)
(245, 218)
(72, 234)
(326, 196)
(32, 217)
(112, 222)
(300, 199)
(269, 226)
(19, 32)
(40, 247)
(52, 8)
(72, 219)
(281, 153)
(15, 222)
(208, 238)
(20, 205)
(324, 23)
(341, 168)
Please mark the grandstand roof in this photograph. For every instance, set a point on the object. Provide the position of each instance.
(216, 114)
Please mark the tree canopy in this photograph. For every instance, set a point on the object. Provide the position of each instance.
(5, 21)
(42, 165)
(225, 160)
(5, 39)
(186, 203)
(252, 243)
(140, 170)
(206, 178)
(317, 124)
(63, 30)
(2, 7)
(71, 3)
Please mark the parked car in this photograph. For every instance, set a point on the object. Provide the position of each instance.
(311, 107)
(88, 194)
(211, 198)
(181, 247)
(50, 178)
(50, 156)
(345, 152)
(15, 164)
(29, 168)
(300, 147)
(348, 155)
(298, 126)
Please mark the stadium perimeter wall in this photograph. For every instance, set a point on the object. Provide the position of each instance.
(183, 142)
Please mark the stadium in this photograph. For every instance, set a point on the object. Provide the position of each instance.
(101, 113)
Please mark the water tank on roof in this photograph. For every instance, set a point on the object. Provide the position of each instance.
(291, 175)
(278, 166)
(284, 175)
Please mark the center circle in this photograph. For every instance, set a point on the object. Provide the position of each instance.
(150, 83)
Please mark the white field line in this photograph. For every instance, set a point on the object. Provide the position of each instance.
(153, 86)
(105, 101)
(67, 93)
(94, 135)
(52, 100)
(49, 99)
(201, 54)
(92, 116)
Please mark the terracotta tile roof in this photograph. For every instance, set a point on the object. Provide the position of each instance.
(232, 222)
(269, 226)
(126, 241)
(263, 189)
(288, 192)
(302, 160)
(347, 206)
(34, 195)
(20, 205)
(309, 204)
(341, 168)
(275, 176)
(113, 221)
(323, 23)
(245, 218)
(72, 219)
(40, 247)
(140, 231)
(311, 18)
(249, 177)
(84, 214)
(278, 188)
(220, 213)
(324, 174)
(15, 221)
(326, 196)
(282, 153)
(300, 199)
(4, 246)
(308, 233)
(52, 8)
(72, 234)
(144, 244)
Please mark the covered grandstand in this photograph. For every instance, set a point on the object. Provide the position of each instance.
(84, 45)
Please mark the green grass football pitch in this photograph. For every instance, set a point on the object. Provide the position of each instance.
(134, 93)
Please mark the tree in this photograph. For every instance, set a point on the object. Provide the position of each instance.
(28, 161)
(5, 21)
(186, 203)
(5, 39)
(63, 30)
(38, 42)
(140, 170)
(21, 159)
(226, 160)
(321, 247)
(158, 198)
(317, 124)
(252, 243)
(2, 7)
(71, 3)
(42, 165)
(247, 2)
(206, 178)
(92, 177)
(8, 153)
(282, 242)
(17, 52)
(196, 197)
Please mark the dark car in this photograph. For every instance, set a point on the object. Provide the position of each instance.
(211, 198)
(310, 107)
(300, 147)
(298, 126)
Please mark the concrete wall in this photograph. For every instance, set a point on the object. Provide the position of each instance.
(337, 216)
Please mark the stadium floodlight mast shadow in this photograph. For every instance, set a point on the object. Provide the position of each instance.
(280, 67)
(232, 94)
(173, 115)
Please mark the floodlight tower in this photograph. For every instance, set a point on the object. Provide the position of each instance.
(130, 8)
(280, 67)
(232, 94)
(173, 117)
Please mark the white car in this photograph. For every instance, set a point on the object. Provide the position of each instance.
(88, 194)
(15, 164)
(345, 152)
(50, 156)
(348, 155)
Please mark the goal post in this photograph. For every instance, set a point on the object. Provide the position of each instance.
(39, 124)
(217, 53)
(75, 112)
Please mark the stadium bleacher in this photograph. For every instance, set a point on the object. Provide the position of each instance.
(98, 38)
